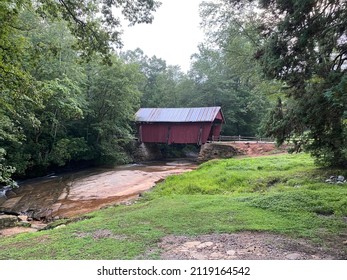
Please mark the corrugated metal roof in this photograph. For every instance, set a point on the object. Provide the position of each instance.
(201, 114)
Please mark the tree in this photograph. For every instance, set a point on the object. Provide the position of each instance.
(305, 46)
(160, 87)
(57, 76)
(17, 89)
(95, 23)
(225, 69)
(113, 97)
(42, 101)
(218, 83)
(92, 22)
(152, 68)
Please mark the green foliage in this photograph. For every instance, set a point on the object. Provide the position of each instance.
(67, 149)
(55, 109)
(96, 34)
(113, 98)
(5, 171)
(223, 73)
(304, 45)
(160, 82)
(218, 83)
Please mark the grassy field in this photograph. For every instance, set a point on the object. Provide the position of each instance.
(284, 194)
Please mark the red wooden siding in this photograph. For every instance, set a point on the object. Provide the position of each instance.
(177, 133)
(179, 125)
(153, 133)
(216, 129)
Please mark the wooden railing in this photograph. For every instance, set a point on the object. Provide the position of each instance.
(240, 138)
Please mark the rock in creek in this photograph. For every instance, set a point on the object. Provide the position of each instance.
(7, 221)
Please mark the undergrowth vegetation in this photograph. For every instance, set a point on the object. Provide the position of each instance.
(283, 194)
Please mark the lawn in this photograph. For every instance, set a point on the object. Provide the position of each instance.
(283, 194)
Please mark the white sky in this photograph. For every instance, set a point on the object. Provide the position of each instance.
(173, 36)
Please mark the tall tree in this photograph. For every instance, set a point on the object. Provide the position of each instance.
(160, 86)
(305, 45)
(218, 83)
(53, 66)
(113, 97)
(233, 75)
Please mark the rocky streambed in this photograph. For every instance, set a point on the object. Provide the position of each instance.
(43, 200)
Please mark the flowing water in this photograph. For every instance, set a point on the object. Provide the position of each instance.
(72, 194)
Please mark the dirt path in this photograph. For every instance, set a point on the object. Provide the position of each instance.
(244, 246)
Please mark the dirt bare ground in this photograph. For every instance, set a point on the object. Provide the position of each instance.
(255, 149)
(245, 246)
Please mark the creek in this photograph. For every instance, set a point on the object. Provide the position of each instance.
(72, 194)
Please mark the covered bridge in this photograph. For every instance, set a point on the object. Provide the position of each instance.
(179, 125)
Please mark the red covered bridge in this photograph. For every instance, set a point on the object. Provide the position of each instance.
(179, 125)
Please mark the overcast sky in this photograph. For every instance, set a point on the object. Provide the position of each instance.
(173, 36)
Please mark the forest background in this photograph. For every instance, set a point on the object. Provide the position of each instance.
(69, 94)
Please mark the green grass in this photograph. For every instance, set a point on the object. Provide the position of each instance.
(283, 194)
(239, 175)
